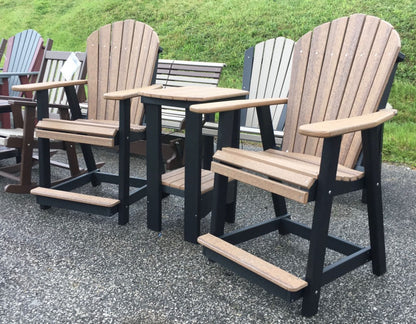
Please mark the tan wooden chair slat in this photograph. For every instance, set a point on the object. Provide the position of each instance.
(260, 182)
(76, 138)
(254, 162)
(76, 197)
(343, 173)
(329, 68)
(297, 80)
(76, 127)
(92, 71)
(116, 68)
(265, 269)
(176, 179)
(284, 160)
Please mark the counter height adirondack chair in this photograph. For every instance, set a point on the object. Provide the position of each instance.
(340, 71)
(21, 136)
(121, 58)
(23, 58)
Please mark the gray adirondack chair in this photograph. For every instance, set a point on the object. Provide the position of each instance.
(21, 65)
(267, 69)
(340, 72)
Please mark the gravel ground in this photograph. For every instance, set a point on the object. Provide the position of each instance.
(60, 266)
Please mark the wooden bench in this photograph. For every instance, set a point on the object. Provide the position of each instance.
(175, 73)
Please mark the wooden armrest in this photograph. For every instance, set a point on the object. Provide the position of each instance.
(331, 128)
(130, 93)
(47, 85)
(214, 107)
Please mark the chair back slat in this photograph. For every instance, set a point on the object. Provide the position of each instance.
(3, 44)
(267, 71)
(339, 70)
(121, 56)
(24, 54)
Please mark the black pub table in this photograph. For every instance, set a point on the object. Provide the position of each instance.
(192, 182)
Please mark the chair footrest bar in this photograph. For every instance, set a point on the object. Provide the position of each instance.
(138, 194)
(251, 232)
(334, 243)
(345, 265)
(261, 268)
(75, 197)
(71, 205)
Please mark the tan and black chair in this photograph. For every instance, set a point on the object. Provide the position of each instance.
(339, 73)
(121, 58)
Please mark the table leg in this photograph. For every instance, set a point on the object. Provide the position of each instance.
(192, 176)
(154, 167)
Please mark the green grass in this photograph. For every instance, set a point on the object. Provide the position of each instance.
(221, 30)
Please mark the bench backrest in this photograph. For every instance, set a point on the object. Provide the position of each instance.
(177, 73)
(51, 71)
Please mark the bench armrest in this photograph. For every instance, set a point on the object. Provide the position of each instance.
(214, 107)
(130, 93)
(47, 85)
(331, 128)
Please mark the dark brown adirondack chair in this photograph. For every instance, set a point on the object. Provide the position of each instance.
(121, 58)
(21, 65)
(340, 71)
(21, 137)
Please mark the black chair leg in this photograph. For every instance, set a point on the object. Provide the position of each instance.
(124, 162)
(219, 202)
(316, 258)
(372, 165)
(320, 225)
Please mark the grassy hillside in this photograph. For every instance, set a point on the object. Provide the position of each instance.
(220, 30)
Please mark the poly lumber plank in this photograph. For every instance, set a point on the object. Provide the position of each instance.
(253, 263)
(79, 128)
(247, 160)
(260, 182)
(76, 138)
(75, 197)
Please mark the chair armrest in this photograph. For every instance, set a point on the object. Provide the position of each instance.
(331, 128)
(130, 93)
(22, 102)
(4, 75)
(214, 107)
(47, 85)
